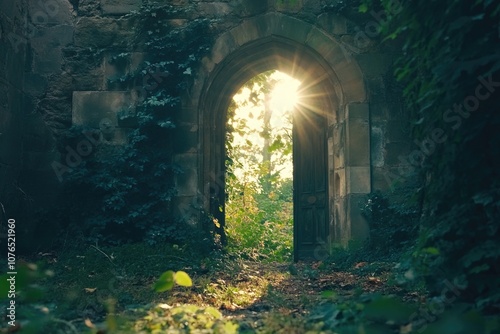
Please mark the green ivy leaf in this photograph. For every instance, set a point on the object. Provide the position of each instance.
(363, 8)
(183, 279)
(165, 282)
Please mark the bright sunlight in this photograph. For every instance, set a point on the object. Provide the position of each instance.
(259, 207)
(284, 95)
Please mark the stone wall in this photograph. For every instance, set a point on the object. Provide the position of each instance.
(55, 73)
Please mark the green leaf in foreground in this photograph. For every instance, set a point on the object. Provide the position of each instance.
(183, 279)
(165, 282)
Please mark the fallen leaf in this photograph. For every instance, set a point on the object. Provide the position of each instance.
(90, 290)
(89, 323)
(360, 264)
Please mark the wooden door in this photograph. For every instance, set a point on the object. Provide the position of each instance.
(310, 184)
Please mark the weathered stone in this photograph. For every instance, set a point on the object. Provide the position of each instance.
(214, 9)
(322, 43)
(187, 181)
(289, 6)
(102, 32)
(51, 12)
(93, 109)
(358, 180)
(245, 32)
(56, 112)
(292, 28)
(358, 135)
(358, 110)
(119, 7)
(339, 183)
(248, 8)
(377, 146)
(359, 227)
(332, 23)
(222, 47)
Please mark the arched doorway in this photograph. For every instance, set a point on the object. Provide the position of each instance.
(332, 140)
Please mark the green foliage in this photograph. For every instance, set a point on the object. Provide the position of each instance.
(259, 208)
(125, 192)
(261, 225)
(393, 226)
(169, 278)
(450, 69)
(185, 319)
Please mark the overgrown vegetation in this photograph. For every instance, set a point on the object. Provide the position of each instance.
(259, 208)
(124, 193)
(450, 69)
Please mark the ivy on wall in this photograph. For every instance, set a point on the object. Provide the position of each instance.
(450, 69)
(125, 192)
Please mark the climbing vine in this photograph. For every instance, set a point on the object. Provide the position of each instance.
(125, 192)
(450, 69)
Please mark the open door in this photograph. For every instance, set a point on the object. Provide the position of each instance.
(310, 205)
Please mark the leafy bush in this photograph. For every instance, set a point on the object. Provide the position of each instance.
(393, 225)
(123, 193)
(450, 68)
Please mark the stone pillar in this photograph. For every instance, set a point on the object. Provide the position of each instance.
(358, 170)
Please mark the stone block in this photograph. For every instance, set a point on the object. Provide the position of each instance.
(358, 136)
(358, 180)
(246, 32)
(322, 43)
(51, 12)
(102, 32)
(339, 183)
(214, 9)
(266, 24)
(187, 181)
(292, 28)
(248, 8)
(224, 45)
(359, 228)
(358, 110)
(332, 23)
(119, 7)
(349, 75)
(94, 108)
(377, 145)
(289, 6)
(341, 231)
(47, 48)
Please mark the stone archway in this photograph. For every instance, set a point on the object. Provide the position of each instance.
(335, 84)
